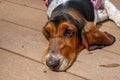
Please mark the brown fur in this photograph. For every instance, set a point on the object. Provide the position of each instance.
(68, 47)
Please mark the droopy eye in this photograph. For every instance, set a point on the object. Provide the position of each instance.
(68, 33)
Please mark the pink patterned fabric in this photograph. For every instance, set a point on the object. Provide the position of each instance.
(96, 3)
(46, 2)
(92, 1)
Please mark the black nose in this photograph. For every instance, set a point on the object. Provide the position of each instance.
(52, 63)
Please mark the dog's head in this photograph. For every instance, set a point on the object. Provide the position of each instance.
(67, 36)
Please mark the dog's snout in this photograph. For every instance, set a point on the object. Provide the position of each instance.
(52, 63)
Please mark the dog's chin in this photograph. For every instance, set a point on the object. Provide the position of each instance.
(63, 65)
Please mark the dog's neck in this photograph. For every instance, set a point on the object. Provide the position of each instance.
(55, 3)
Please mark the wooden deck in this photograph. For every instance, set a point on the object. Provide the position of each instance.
(22, 44)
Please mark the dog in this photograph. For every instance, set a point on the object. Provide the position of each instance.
(71, 27)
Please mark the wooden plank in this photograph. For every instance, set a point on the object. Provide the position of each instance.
(15, 67)
(109, 24)
(37, 4)
(116, 3)
(21, 15)
(97, 65)
(98, 57)
(22, 40)
(1, 1)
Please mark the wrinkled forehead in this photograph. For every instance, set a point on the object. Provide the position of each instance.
(61, 26)
(64, 17)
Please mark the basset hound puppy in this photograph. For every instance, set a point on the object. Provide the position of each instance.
(70, 29)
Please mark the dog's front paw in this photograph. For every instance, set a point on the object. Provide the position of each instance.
(117, 19)
(113, 12)
(102, 15)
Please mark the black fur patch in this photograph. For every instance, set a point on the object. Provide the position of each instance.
(49, 1)
(84, 7)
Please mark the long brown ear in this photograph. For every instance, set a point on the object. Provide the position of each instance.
(46, 33)
(93, 39)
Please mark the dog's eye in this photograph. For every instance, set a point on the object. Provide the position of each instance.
(68, 33)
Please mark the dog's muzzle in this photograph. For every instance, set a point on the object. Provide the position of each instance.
(56, 62)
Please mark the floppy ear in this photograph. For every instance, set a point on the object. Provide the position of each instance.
(46, 33)
(93, 39)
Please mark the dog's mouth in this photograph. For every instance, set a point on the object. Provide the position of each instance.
(56, 62)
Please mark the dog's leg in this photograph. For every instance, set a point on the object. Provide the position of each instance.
(113, 12)
(102, 15)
